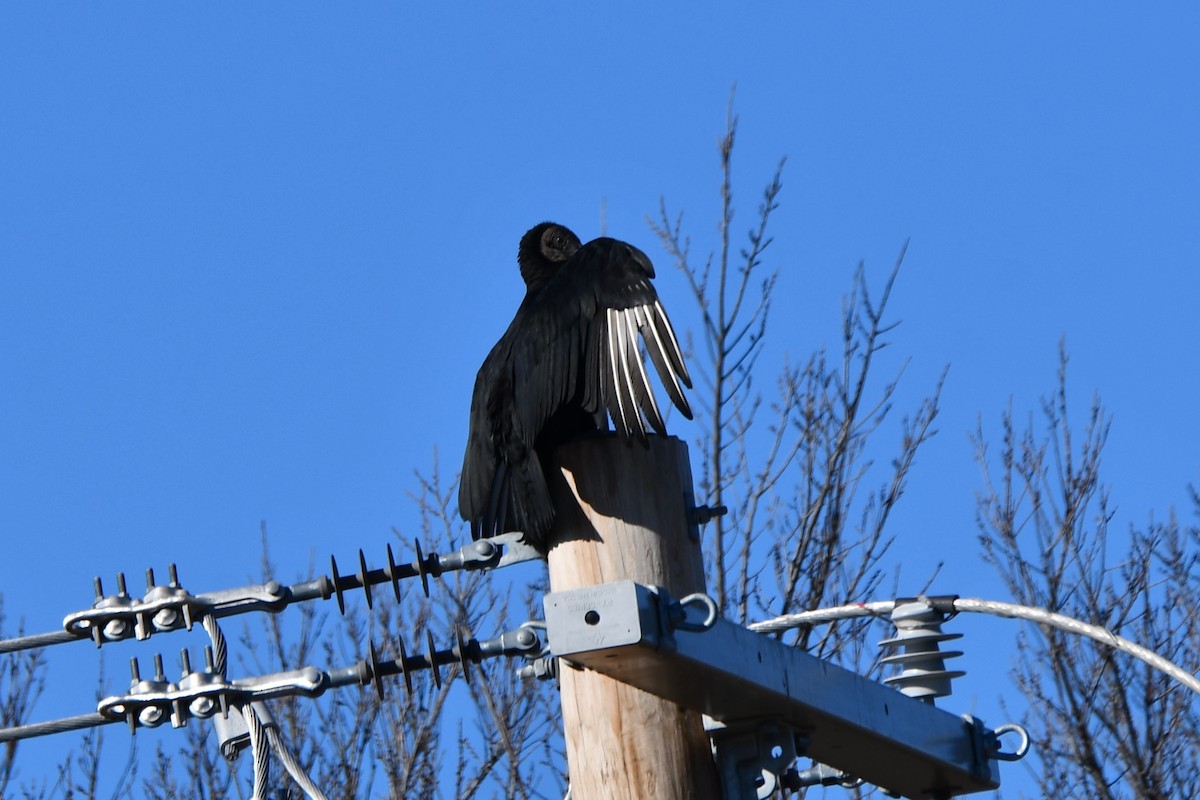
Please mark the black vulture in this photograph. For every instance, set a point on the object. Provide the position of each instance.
(569, 359)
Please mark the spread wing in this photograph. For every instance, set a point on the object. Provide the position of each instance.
(626, 321)
(575, 346)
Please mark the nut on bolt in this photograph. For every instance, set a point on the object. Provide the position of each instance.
(702, 515)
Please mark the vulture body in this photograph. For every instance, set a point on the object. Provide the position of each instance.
(569, 359)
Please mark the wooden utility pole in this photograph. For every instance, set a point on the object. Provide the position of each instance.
(622, 514)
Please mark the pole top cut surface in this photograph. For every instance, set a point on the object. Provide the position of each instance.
(624, 512)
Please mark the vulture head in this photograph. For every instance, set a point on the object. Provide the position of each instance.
(544, 249)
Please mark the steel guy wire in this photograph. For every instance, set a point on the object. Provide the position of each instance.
(260, 750)
(293, 766)
(62, 725)
(1080, 628)
(168, 607)
(219, 646)
(205, 693)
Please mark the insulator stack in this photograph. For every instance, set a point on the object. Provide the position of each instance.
(373, 668)
(923, 672)
(523, 643)
(477, 555)
(170, 607)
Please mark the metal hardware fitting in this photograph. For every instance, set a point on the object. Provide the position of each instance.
(233, 734)
(698, 516)
(855, 725)
(702, 515)
(994, 747)
(171, 607)
(206, 693)
(756, 758)
(752, 755)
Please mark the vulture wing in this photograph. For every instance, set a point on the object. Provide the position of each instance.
(574, 351)
(625, 319)
(529, 375)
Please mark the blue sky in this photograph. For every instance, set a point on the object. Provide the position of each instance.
(252, 254)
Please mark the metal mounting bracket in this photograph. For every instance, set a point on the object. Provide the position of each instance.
(751, 755)
(854, 724)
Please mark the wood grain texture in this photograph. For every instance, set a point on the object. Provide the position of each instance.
(622, 514)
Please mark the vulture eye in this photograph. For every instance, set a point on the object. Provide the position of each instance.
(553, 245)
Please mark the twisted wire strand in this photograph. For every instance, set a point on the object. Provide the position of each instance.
(76, 723)
(260, 749)
(35, 640)
(219, 645)
(293, 766)
(823, 615)
(1080, 628)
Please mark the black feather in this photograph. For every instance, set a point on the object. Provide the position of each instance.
(570, 358)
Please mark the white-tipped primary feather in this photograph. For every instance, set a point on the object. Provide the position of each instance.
(636, 322)
(627, 341)
(664, 359)
(614, 364)
(628, 388)
(663, 322)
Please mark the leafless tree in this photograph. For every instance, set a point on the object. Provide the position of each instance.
(801, 510)
(1105, 725)
(804, 530)
(414, 743)
(21, 684)
(810, 481)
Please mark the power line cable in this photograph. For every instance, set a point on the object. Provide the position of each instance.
(998, 608)
(260, 749)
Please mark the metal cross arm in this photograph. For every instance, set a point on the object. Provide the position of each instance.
(637, 635)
